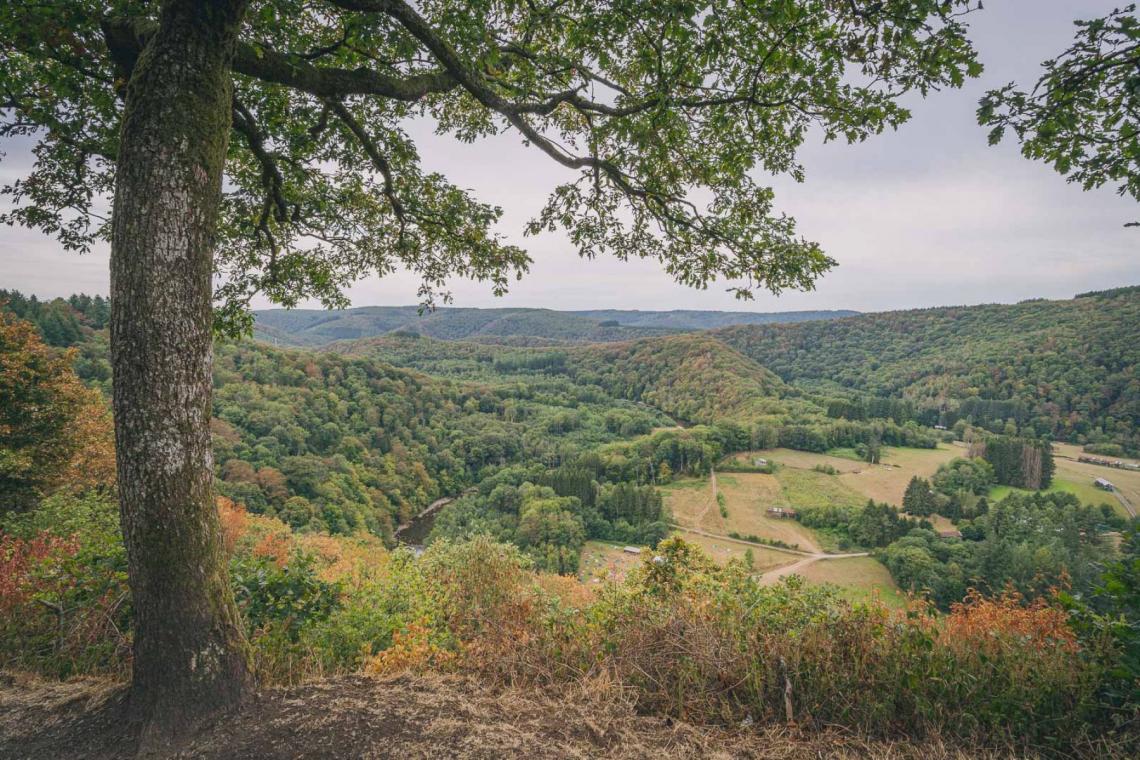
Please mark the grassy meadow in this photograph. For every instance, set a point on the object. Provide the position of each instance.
(747, 497)
(859, 579)
(1077, 478)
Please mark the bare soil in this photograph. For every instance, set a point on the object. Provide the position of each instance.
(405, 717)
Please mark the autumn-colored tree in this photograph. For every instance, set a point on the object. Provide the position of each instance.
(54, 432)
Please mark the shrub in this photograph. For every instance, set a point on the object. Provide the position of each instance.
(64, 605)
(1105, 449)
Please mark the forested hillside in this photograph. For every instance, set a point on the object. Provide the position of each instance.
(694, 377)
(1066, 369)
(694, 319)
(307, 327)
(339, 443)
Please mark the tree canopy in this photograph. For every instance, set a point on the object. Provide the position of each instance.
(662, 115)
(1083, 114)
(53, 431)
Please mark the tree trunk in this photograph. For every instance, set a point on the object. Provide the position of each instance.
(190, 657)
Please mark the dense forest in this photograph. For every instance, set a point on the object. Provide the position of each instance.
(695, 379)
(1032, 543)
(565, 443)
(1064, 369)
(359, 443)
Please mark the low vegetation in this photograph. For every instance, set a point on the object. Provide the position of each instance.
(679, 634)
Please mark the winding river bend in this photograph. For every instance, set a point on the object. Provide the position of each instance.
(414, 533)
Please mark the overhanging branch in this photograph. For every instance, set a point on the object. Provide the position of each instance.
(127, 37)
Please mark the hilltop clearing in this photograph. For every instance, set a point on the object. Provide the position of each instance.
(413, 717)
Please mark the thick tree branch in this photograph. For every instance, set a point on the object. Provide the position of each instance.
(127, 37)
(379, 160)
(271, 177)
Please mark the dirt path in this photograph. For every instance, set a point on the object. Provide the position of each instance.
(1125, 502)
(777, 573)
(807, 557)
(745, 542)
(409, 717)
(708, 504)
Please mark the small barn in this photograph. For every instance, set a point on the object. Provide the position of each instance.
(950, 533)
(782, 513)
(631, 550)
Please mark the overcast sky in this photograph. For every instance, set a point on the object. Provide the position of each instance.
(926, 216)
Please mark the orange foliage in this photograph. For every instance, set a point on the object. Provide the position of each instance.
(19, 560)
(338, 558)
(276, 547)
(93, 431)
(224, 431)
(568, 589)
(986, 624)
(54, 432)
(345, 558)
(234, 522)
(412, 649)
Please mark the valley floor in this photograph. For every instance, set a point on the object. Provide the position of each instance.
(410, 717)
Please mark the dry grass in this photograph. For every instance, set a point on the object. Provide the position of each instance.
(747, 497)
(884, 482)
(721, 551)
(887, 482)
(608, 562)
(859, 578)
(421, 717)
(803, 460)
(602, 561)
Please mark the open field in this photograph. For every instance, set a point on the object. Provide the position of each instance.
(605, 561)
(803, 460)
(802, 489)
(1082, 474)
(1077, 478)
(859, 578)
(747, 496)
(887, 481)
(884, 482)
(721, 551)
(1081, 488)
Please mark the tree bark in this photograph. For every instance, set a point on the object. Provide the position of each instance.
(190, 656)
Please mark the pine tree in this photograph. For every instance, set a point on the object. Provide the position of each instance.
(918, 498)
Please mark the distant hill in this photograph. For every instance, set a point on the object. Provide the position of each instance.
(687, 319)
(1067, 368)
(535, 327)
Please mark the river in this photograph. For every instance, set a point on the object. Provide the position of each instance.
(416, 532)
